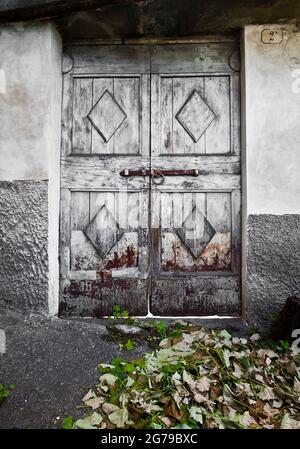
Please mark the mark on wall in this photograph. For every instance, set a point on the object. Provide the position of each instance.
(271, 36)
(2, 82)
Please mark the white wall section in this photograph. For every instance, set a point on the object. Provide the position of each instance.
(28, 76)
(272, 119)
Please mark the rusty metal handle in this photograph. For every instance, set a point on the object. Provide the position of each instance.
(155, 172)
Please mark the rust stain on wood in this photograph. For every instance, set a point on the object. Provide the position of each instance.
(215, 257)
(126, 260)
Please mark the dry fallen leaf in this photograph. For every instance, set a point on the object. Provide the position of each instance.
(266, 393)
(202, 378)
(109, 408)
(90, 394)
(94, 403)
(289, 423)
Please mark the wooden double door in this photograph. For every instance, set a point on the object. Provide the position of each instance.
(150, 180)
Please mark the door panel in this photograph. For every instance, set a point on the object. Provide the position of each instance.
(195, 296)
(100, 122)
(189, 124)
(195, 227)
(195, 224)
(168, 245)
(104, 217)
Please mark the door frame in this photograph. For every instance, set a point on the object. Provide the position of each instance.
(54, 195)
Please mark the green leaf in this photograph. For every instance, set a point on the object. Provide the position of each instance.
(161, 328)
(184, 426)
(129, 368)
(224, 334)
(118, 361)
(284, 344)
(68, 422)
(129, 345)
(155, 425)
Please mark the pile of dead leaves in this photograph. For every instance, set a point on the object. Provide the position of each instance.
(199, 379)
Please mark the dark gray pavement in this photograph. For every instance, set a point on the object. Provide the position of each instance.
(51, 361)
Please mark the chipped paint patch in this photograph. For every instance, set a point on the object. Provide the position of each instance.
(2, 82)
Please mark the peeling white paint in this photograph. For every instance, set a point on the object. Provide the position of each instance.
(2, 341)
(2, 82)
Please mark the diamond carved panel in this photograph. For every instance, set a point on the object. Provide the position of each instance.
(196, 232)
(107, 116)
(195, 116)
(103, 231)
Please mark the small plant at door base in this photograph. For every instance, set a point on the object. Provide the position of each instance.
(199, 379)
(161, 328)
(68, 422)
(118, 313)
(129, 345)
(285, 345)
(253, 329)
(274, 316)
(4, 392)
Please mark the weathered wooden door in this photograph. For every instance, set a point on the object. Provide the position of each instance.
(150, 180)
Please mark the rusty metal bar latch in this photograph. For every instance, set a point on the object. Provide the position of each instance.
(158, 175)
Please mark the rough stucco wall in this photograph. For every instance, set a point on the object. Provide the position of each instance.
(23, 245)
(30, 104)
(271, 174)
(273, 265)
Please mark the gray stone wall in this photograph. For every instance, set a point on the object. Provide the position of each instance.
(23, 245)
(273, 267)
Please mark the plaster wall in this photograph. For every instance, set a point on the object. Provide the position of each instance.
(30, 104)
(272, 96)
(28, 68)
(271, 166)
